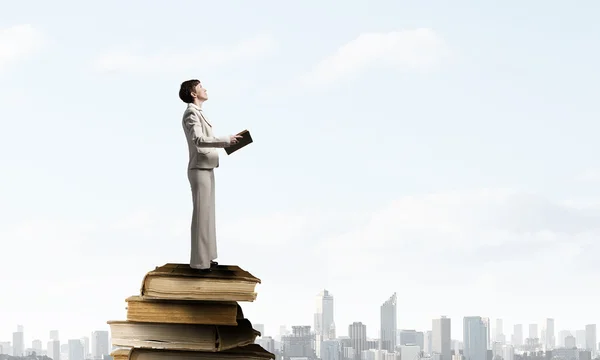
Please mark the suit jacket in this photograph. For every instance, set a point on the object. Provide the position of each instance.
(202, 144)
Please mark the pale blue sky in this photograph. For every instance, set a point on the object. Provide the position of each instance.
(501, 97)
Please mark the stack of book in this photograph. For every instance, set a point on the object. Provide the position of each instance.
(183, 313)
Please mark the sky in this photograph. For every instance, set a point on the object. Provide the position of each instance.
(444, 151)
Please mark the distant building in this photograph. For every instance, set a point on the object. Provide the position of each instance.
(76, 351)
(53, 349)
(590, 339)
(331, 350)
(100, 344)
(5, 348)
(300, 344)
(357, 332)
(517, 337)
(18, 344)
(388, 324)
(441, 338)
(36, 345)
(570, 342)
(475, 338)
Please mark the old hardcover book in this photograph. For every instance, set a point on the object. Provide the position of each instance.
(183, 312)
(248, 352)
(181, 282)
(189, 337)
(245, 140)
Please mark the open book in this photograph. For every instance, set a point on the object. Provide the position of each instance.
(245, 140)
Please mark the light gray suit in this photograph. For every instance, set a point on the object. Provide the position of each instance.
(204, 157)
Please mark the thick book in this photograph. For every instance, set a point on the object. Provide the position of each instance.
(141, 309)
(181, 282)
(248, 352)
(188, 337)
(245, 140)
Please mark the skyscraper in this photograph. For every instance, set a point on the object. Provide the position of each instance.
(18, 343)
(517, 337)
(499, 332)
(441, 341)
(550, 337)
(357, 332)
(76, 350)
(475, 338)
(427, 342)
(488, 337)
(388, 324)
(324, 314)
(99, 344)
(580, 338)
(53, 351)
(590, 339)
(533, 331)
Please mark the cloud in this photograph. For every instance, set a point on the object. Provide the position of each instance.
(419, 49)
(126, 61)
(18, 42)
(463, 231)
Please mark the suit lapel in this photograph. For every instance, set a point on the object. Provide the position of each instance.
(204, 118)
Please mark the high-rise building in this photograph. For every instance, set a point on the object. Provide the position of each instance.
(76, 350)
(53, 350)
(357, 332)
(324, 314)
(590, 339)
(580, 338)
(488, 333)
(475, 338)
(517, 337)
(550, 339)
(441, 339)
(570, 342)
(533, 331)
(100, 345)
(331, 350)
(85, 341)
(427, 346)
(300, 343)
(18, 343)
(388, 324)
(499, 331)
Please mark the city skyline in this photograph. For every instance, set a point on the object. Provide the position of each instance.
(326, 304)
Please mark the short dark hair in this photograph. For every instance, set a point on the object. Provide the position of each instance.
(186, 90)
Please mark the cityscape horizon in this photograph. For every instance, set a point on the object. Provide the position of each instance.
(529, 336)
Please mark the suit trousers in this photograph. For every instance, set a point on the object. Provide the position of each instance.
(204, 242)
